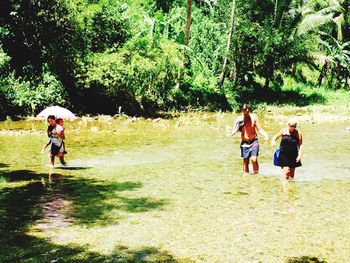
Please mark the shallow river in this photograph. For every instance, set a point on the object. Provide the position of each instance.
(139, 190)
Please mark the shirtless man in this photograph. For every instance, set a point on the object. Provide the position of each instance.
(249, 124)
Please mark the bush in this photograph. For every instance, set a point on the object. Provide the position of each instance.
(23, 97)
(143, 72)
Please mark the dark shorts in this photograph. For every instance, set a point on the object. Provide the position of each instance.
(249, 149)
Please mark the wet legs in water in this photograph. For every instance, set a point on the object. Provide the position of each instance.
(255, 165)
(60, 157)
(288, 172)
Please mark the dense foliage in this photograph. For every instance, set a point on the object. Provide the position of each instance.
(107, 56)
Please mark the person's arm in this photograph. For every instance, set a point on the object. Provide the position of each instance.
(274, 138)
(260, 129)
(44, 147)
(236, 126)
(62, 135)
(300, 144)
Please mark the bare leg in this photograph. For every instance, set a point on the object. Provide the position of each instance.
(52, 160)
(61, 157)
(292, 171)
(286, 172)
(255, 164)
(246, 165)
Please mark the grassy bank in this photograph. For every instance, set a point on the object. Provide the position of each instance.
(306, 100)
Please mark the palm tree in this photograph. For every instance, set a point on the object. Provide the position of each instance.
(336, 61)
(297, 18)
(333, 12)
(335, 58)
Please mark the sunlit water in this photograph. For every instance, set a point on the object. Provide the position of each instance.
(175, 186)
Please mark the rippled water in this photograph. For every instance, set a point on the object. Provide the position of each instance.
(176, 188)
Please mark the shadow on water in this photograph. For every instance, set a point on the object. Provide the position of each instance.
(73, 168)
(30, 249)
(19, 175)
(22, 207)
(305, 259)
(2, 165)
(92, 199)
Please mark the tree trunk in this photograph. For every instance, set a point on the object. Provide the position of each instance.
(268, 78)
(232, 27)
(294, 69)
(188, 22)
(322, 74)
(187, 40)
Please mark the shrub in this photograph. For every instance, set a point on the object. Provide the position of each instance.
(26, 98)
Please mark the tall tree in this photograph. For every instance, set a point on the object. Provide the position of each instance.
(229, 38)
(188, 22)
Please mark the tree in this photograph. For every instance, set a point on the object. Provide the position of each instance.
(229, 38)
(188, 22)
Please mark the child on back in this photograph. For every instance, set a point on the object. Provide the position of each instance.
(59, 121)
(50, 134)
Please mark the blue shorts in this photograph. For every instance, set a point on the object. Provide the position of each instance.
(249, 149)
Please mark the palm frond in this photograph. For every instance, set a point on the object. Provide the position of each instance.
(322, 58)
(313, 21)
(334, 2)
(326, 44)
(331, 9)
(306, 10)
(346, 44)
(340, 22)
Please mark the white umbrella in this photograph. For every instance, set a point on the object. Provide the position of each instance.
(58, 112)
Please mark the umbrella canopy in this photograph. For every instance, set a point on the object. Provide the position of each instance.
(58, 112)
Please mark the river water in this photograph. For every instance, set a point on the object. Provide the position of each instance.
(173, 191)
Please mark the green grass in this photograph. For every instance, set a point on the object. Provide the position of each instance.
(296, 96)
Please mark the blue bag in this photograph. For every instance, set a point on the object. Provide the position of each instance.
(276, 155)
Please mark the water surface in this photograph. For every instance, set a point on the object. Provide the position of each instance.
(172, 191)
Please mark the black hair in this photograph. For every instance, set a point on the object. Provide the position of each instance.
(52, 117)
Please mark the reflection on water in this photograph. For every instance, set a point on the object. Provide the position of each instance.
(177, 185)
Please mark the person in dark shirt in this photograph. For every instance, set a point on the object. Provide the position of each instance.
(290, 148)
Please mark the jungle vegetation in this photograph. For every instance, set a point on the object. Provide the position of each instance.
(141, 57)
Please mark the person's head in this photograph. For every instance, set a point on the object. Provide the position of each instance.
(246, 109)
(51, 119)
(59, 121)
(292, 124)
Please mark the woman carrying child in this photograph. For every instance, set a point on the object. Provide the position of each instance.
(56, 135)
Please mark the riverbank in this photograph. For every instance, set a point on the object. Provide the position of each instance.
(319, 104)
(335, 107)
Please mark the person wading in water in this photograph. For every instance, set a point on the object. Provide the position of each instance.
(290, 148)
(248, 124)
(57, 136)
